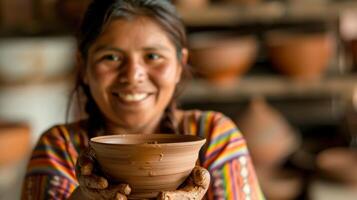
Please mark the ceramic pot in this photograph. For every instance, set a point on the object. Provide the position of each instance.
(269, 136)
(301, 56)
(190, 4)
(14, 142)
(34, 59)
(280, 184)
(339, 164)
(149, 163)
(242, 2)
(222, 58)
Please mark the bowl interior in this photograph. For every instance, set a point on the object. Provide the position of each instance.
(146, 139)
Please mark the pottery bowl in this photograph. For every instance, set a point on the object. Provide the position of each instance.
(14, 142)
(221, 57)
(301, 56)
(339, 164)
(25, 60)
(149, 163)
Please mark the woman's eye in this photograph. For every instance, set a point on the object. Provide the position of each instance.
(152, 56)
(111, 58)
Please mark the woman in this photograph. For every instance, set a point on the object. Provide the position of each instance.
(132, 55)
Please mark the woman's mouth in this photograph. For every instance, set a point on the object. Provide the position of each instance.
(132, 97)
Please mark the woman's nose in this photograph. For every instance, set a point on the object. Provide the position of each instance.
(132, 73)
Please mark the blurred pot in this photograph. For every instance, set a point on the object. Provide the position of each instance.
(302, 56)
(243, 2)
(269, 136)
(190, 4)
(14, 142)
(221, 58)
(280, 184)
(339, 164)
(33, 59)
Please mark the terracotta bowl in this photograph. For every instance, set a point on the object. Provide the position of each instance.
(281, 184)
(36, 58)
(149, 163)
(221, 58)
(339, 164)
(14, 142)
(302, 56)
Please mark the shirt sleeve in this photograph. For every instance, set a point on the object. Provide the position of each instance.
(50, 173)
(227, 158)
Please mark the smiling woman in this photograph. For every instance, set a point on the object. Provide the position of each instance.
(132, 57)
(132, 79)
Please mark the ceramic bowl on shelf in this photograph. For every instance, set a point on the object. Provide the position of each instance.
(281, 184)
(14, 142)
(220, 57)
(30, 59)
(339, 164)
(149, 163)
(301, 56)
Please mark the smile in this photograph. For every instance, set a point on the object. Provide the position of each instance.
(132, 97)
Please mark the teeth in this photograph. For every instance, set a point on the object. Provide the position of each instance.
(133, 97)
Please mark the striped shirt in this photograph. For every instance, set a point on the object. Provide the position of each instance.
(51, 169)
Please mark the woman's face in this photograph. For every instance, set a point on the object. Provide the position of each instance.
(132, 71)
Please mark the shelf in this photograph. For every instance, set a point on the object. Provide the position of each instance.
(228, 15)
(270, 86)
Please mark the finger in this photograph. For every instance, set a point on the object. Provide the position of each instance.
(93, 182)
(124, 189)
(120, 196)
(86, 166)
(86, 160)
(200, 176)
(178, 195)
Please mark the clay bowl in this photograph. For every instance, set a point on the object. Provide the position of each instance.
(301, 56)
(221, 58)
(14, 142)
(36, 58)
(339, 164)
(149, 163)
(280, 184)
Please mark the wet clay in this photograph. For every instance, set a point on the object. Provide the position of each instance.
(149, 163)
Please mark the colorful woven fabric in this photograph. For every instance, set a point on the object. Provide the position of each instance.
(50, 173)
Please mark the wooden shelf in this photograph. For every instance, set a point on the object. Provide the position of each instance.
(270, 86)
(270, 12)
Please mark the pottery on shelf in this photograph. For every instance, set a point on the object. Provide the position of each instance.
(281, 184)
(25, 60)
(339, 164)
(242, 2)
(149, 163)
(14, 142)
(190, 4)
(269, 136)
(220, 57)
(301, 56)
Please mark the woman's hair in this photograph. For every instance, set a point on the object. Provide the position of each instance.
(97, 16)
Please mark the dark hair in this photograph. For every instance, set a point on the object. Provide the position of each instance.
(97, 16)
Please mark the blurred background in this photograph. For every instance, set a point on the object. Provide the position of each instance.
(284, 70)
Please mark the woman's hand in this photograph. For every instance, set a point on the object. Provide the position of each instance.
(195, 186)
(93, 186)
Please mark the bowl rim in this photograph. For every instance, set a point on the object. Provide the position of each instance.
(195, 140)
